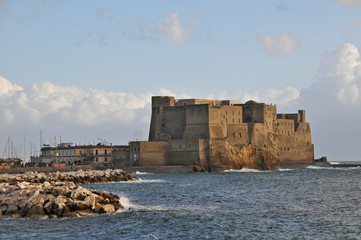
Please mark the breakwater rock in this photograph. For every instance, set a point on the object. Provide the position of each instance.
(79, 177)
(56, 195)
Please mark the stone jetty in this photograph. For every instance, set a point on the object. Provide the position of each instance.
(53, 195)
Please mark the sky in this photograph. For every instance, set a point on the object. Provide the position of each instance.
(85, 70)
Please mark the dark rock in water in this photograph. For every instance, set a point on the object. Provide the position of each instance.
(197, 168)
(321, 159)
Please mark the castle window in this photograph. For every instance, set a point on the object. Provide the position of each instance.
(240, 135)
(234, 135)
(288, 149)
(189, 146)
(232, 120)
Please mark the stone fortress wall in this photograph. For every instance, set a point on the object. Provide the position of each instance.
(224, 133)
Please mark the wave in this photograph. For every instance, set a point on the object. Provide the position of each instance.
(317, 167)
(129, 206)
(285, 169)
(145, 181)
(334, 168)
(141, 173)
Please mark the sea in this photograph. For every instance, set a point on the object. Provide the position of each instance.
(310, 203)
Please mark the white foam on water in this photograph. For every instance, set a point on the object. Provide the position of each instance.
(319, 168)
(130, 206)
(285, 169)
(141, 173)
(245, 170)
(145, 181)
(151, 235)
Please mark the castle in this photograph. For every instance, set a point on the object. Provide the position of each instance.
(222, 133)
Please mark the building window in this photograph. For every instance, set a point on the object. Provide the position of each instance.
(239, 120)
(189, 146)
(234, 135)
(232, 120)
(106, 152)
(240, 135)
(106, 159)
(96, 159)
(96, 152)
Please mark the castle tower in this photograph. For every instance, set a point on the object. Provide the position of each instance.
(302, 115)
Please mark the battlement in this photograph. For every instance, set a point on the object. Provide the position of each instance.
(299, 117)
(195, 101)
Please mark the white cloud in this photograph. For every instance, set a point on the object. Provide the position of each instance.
(348, 3)
(282, 98)
(172, 29)
(48, 104)
(340, 74)
(7, 87)
(279, 47)
(166, 92)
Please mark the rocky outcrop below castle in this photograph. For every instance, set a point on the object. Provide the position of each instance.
(56, 195)
(250, 156)
(238, 156)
